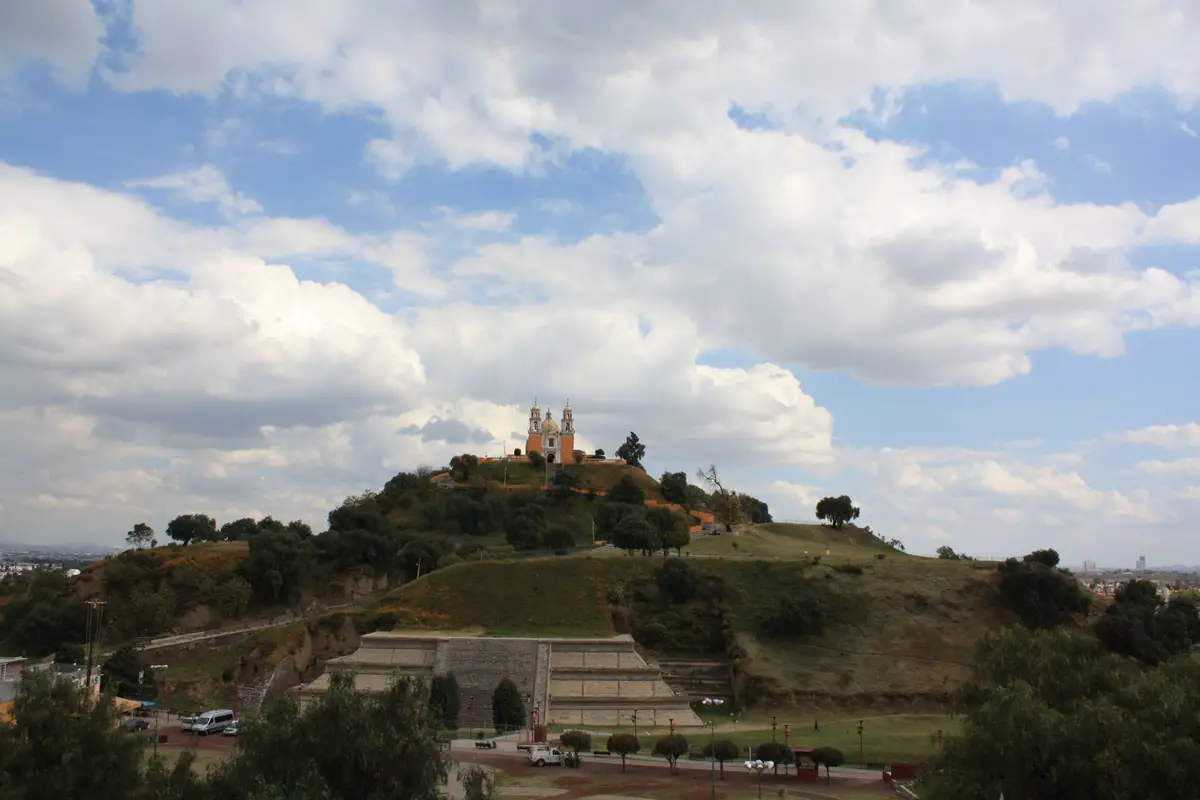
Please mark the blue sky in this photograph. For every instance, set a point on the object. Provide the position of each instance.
(510, 225)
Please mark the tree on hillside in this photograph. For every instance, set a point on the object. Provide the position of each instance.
(238, 530)
(477, 783)
(508, 708)
(1042, 596)
(624, 745)
(599, 452)
(346, 744)
(755, 510)
(947, 552)
(674, 487)
(726, 506)
(124, 675)
(563, 485)
(60, 744)
(827, 757)
(609, 517)
(279, 566)
(536, 459)
(1047, 557)
(635, 533)
(1140, 625)
(444, 700)
(677, 580)
(837, 510)
(672, 527)
(627, 491)
(560, 538)
(462, 466)
(633, 451)
(671, 747)
(188, 528)
(141, 535)
(1050, 715)
(526, 529)
(70, 653)
(232, 596)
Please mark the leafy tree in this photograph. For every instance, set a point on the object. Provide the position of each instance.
(633, 532)
(633, 451)
(180, 782)
(560, 538)
(444, 700)
(947, 552)
(536, 459)
(609, 517)
(188, 528)
(238, 530)
(564, 484)
(1043, 597)
(576, 741)
(677, 580)
(279, 566)
(671, 747)
(508, 708)
(517, 452)
(357, 548)
(754, 509)
(462, 466)
(42, 613)
(141, 535)
(477, 783)
(797, 613)
(776, 752)
(526, 529)
(627, 491)
(362, 512)
(827, 757)
(838, 510)
(1138, 624)
(674, 487)
(672, 528)
(1051, 715)
(60, 745)
(346, 744)
(121, 672)
(599, 453)
(70, 653)
(1047, 558)
(624, 745)
(233, 596)
(724, 750)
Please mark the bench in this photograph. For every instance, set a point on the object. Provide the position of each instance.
(487, 745)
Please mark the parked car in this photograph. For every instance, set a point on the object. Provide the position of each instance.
(541, 756)
(135, 724)
(232, 730)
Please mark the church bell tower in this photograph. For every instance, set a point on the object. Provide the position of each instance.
(568, 434)
(534, 440)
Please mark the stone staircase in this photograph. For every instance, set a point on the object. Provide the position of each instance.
(698, 677)
(481, 664)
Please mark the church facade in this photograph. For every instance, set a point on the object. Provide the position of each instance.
(554, 441)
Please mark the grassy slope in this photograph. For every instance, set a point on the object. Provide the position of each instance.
(907, 632)
(601, 477)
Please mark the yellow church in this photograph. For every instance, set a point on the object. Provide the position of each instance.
(556, 443)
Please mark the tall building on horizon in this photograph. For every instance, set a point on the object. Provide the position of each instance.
(1141, 564)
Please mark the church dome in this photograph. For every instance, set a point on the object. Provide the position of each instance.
(549, 425)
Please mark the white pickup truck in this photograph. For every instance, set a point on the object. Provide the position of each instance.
(541, 756)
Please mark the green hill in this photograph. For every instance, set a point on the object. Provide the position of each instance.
(898, 630)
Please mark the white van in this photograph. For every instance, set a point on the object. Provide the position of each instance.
(211, 722)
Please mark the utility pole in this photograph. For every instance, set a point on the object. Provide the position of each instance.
(92, 630)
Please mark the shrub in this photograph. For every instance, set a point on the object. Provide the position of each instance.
(848, 569)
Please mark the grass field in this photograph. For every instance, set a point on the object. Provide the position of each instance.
(601, 477)
(786, 540)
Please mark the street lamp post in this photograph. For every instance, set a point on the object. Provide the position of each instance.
(760, 767)
(772, 728)
(157, 711)
(713, 703)
(860, 743)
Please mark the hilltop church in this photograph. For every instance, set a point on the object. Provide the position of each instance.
(555, 443)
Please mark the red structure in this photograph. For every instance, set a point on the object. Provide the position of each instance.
(806, 768)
